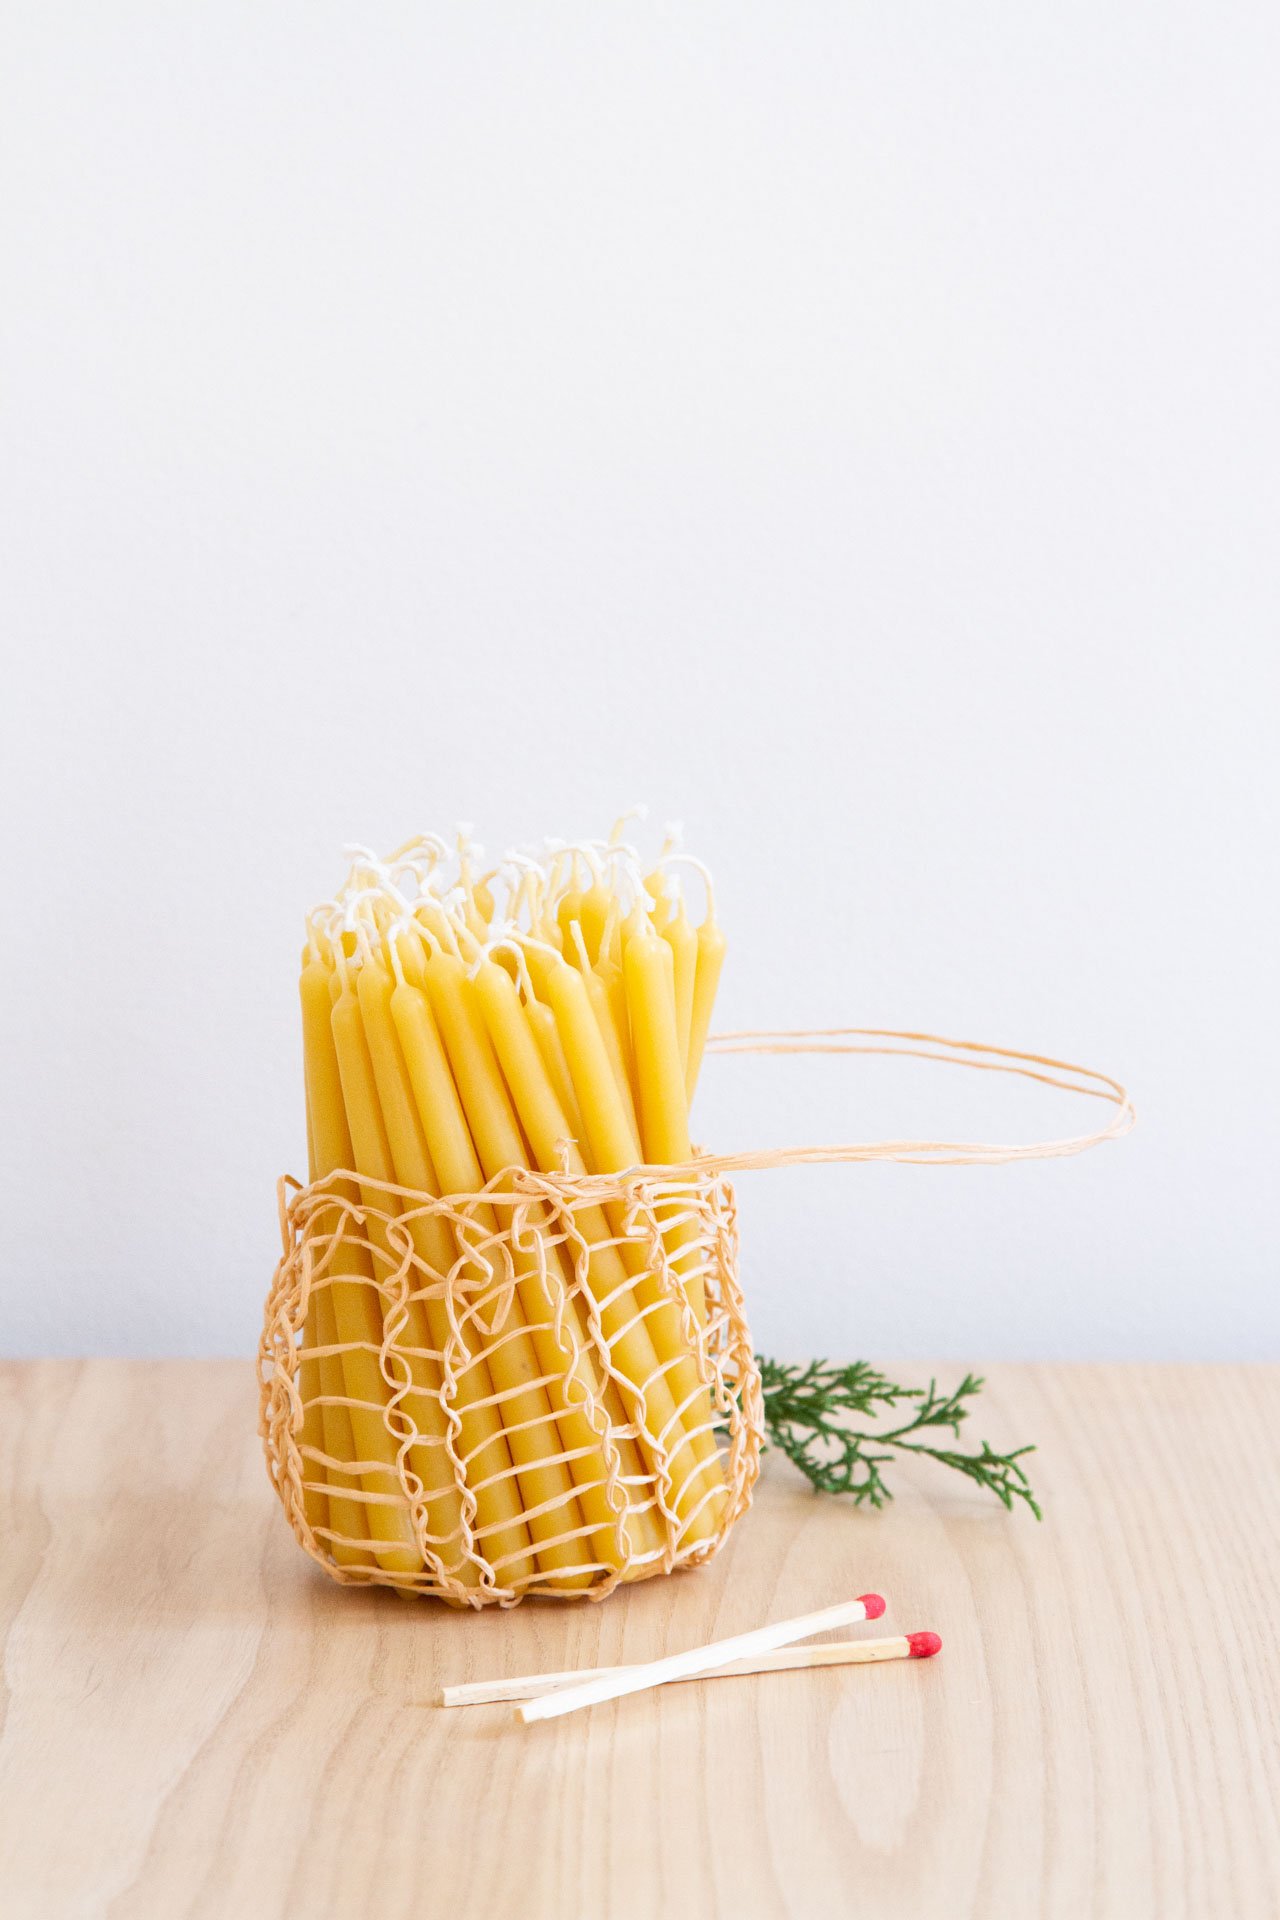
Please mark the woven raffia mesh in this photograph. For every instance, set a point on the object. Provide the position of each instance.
(595, 1475)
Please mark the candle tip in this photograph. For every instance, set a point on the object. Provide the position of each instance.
(873, 1604)
(923, 1645)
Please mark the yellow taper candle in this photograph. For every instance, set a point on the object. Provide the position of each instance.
(551, 1511)
(683, 942)
(706, 979)
(612, 1148)
(597, 994)
(348, 1522)
(545, 1124)
(315, 1495)
(649, 971)
(355, 1302)
(542, 1025)
(428, 1457)
(500, 1145)
(544, 1120)
(499, 1526)
(597, 903)
(447, 1167)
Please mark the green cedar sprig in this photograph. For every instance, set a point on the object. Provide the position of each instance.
(811, 1413)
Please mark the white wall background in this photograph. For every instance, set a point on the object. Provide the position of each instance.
(853, 429)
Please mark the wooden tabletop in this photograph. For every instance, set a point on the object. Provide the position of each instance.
(196, 1722)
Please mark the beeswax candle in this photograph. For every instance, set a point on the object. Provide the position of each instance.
(569, 1450)
(348, 1527)
(631, 1347)
(593, 917)
(706, 980)
(372, 1158)
(598, 995)
(648, 969)
(613, 1147)
(447, 1165)
(356, 1303)
(315, 1496)
(542, 1024)
(498, 1526)
(683, 942)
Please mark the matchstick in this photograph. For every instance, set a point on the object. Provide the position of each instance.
(829, 1653)
(679, 1666)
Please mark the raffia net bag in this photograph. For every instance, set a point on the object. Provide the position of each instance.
(661, 1466)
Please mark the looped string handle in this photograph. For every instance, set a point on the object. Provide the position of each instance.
(922, 1046)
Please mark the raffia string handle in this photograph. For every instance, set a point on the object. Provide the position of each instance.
(922, 1046)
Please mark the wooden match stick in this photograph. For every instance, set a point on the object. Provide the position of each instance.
(829, 1653)
(680, 1666)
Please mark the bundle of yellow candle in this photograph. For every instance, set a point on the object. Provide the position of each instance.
(504, 1350)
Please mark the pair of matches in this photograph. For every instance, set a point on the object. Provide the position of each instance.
(548, 1696)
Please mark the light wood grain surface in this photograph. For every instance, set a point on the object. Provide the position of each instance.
(195, 1722)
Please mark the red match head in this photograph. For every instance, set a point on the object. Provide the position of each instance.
(923, 1645)
(873, 1604)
